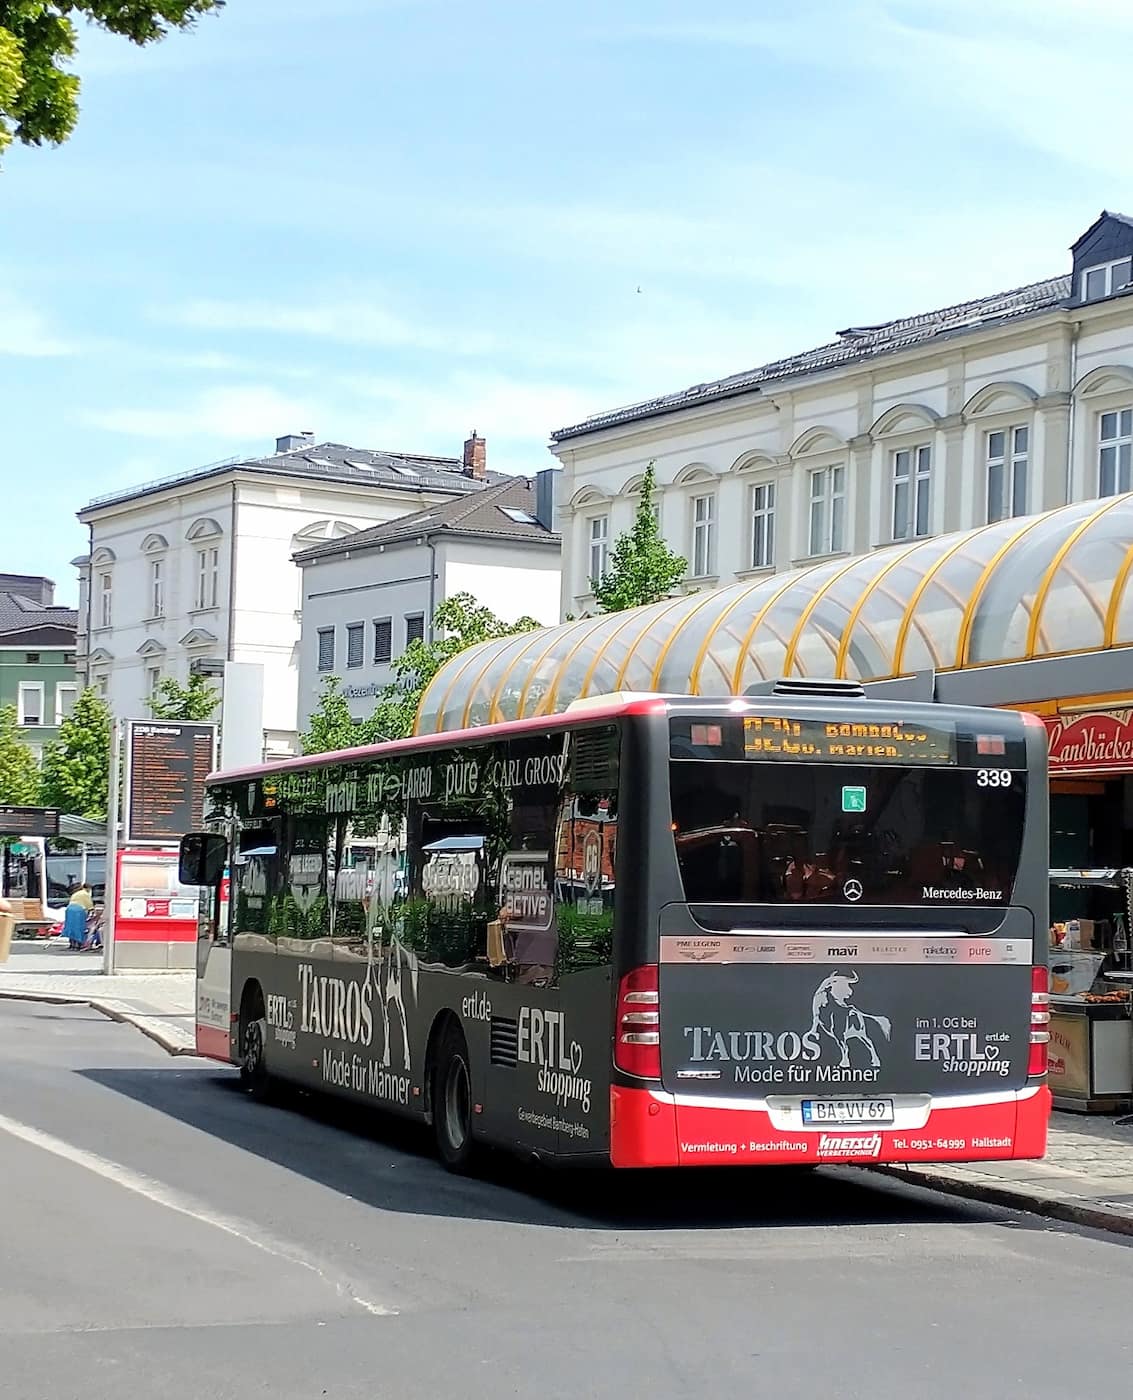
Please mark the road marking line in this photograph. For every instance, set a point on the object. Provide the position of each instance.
(180, 1204)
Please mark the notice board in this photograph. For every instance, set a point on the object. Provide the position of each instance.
(29, 821)
(167, 762)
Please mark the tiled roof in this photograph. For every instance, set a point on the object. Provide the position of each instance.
(20, 614)
(328, 461)
(853, 345)
(499, 511)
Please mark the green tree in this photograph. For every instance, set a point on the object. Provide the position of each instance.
(332, 726)
(643, 569)
(459, 622)
(195, 701)
(39, 95)
(19, 772)
(76, 767)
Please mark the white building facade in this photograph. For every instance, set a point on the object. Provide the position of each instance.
(946, 421)
(366, 597)
(198, 569)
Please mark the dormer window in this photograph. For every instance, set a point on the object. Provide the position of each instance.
(1105, 279)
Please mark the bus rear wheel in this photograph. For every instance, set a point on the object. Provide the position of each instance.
(452, 1102)
(254, 1077)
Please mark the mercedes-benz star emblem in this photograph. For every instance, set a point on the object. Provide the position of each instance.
(852, 890)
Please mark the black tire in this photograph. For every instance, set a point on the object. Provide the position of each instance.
(452, 1102)
(254, 1077)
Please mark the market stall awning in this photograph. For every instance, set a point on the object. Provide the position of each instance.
(1040, 586)
(83, 829)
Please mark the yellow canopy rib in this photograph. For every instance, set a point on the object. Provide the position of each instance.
(793, 644)
(791, 579)
(552, 694)
(910, 611)
(462, 664)
(1048, 578)
(863, 598)
(977, 592)
(1115, 598)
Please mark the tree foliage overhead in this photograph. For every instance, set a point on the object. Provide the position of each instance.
(458, 623)
(39, 95)
(19, 772)
(643, 569)
(332, 726)
(76, 767)
(195, 701)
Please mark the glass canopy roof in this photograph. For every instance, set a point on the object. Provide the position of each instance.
(1042, 585)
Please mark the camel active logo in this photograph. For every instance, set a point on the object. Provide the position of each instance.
(841, 1045)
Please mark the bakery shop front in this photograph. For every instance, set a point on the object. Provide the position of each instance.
(1091, 829)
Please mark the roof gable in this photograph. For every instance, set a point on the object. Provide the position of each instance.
(20, 616)
(505, 511)
(1105, 219)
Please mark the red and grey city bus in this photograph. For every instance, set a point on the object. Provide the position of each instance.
(651, 931)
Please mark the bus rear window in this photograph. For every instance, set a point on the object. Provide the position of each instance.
(782, 833)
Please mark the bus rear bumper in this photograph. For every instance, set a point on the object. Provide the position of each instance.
(651, 1128)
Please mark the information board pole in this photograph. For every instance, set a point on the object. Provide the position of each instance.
(113, 808)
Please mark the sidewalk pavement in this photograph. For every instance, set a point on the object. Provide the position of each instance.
(159, 1004)
(1086, 1177)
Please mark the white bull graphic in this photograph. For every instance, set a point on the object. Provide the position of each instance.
(389, 965)
(833, 1016)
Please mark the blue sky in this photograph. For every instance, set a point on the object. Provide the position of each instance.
(404, 218)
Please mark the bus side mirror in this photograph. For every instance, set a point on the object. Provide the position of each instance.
(202, 859)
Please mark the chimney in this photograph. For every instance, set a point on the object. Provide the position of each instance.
(291, 442)
(545, 482)
(475, 457)
(34, 586)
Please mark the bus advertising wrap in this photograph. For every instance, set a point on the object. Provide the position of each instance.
(883, 1015)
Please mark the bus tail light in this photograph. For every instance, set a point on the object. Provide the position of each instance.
(1040, 1022)
(637, 1036)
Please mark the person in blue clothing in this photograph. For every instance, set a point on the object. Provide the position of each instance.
(75, 926)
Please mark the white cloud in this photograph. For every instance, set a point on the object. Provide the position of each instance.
(1022, 64)
(26, 332)
(349, 321)
(248, 412)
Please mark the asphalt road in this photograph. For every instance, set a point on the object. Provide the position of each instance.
(161, 1236)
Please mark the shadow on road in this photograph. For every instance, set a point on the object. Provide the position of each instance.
(388, 1163)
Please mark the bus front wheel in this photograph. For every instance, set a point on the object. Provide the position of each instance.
(452, 1101)
(254, 1077)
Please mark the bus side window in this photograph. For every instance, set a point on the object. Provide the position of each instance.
(255, 877)
(585, 880)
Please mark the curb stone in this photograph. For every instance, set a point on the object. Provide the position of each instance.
(171, 1041)
(1037, 1200)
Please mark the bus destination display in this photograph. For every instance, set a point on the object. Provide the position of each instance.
(168, 765)
(840, 741)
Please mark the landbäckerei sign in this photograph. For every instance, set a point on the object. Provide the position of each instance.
(1098, 742)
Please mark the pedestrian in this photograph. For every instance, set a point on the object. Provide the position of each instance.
(75, 919)
(80, 894)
